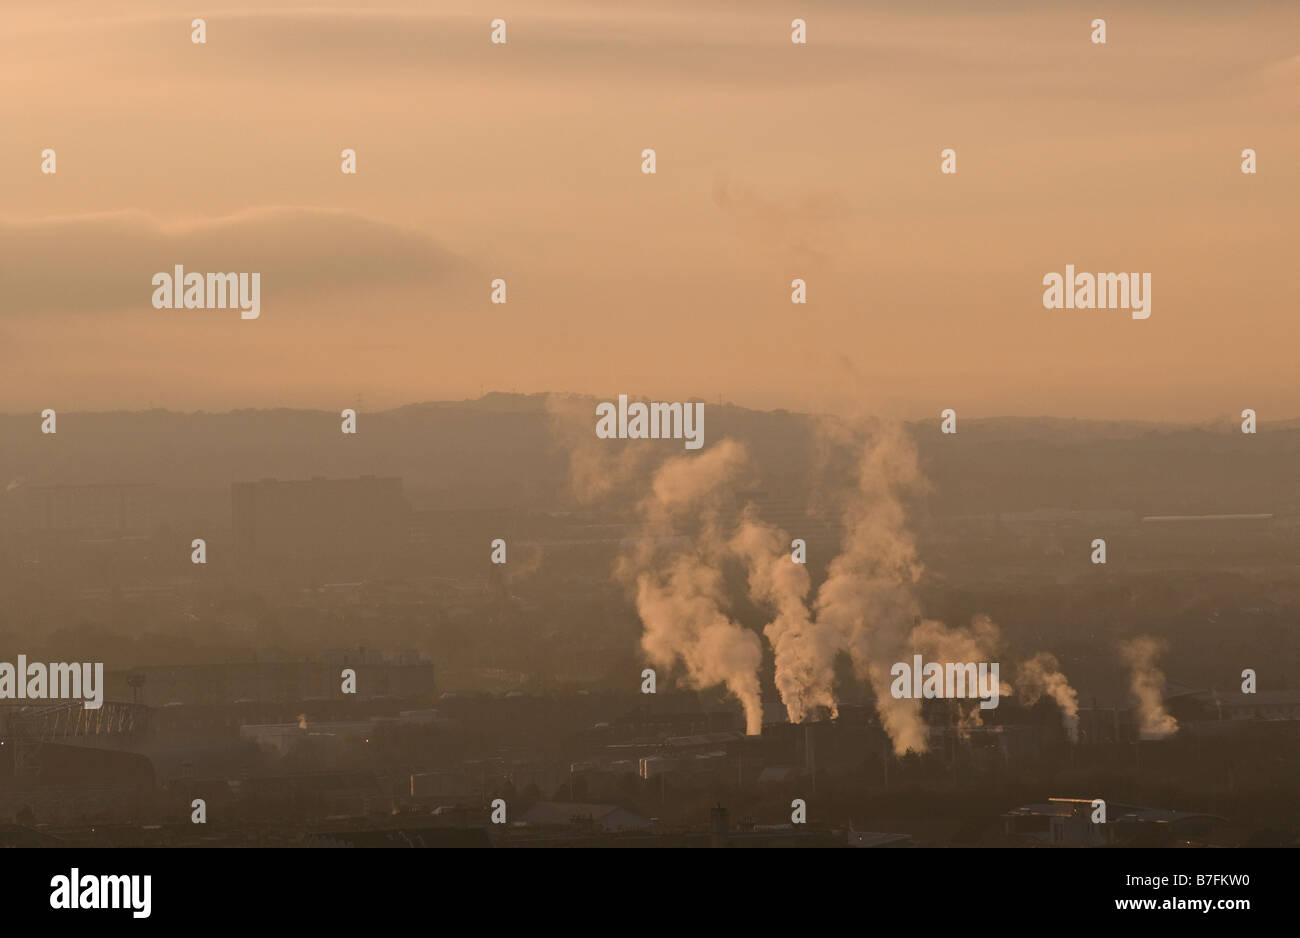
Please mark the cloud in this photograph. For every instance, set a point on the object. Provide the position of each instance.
(86, 263)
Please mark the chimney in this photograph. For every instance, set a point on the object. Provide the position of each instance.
(810, 756)
(718, 826)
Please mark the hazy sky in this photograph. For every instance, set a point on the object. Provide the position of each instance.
(775, 161)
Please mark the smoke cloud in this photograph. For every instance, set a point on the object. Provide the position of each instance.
(1041, 675)
(804, 650)
(934, 641)
(1147, 683)
(678, 586)
(681, 610)
(867, 605)
(868, 594)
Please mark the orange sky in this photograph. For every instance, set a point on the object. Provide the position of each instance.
(775, 161)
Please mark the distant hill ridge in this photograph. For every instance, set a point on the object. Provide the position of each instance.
(502, 451)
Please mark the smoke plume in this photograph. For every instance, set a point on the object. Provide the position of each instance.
(804, 650)
(677, 584)
(867, 605)
(1147, 683)
(1041, 675)
(867, 596)
(681, 610)
(934, 641)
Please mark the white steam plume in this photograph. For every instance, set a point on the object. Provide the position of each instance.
(804, 650)
(679, 590)
(1041, 675)
(868, 594)
(934, 641)
(1147, 683)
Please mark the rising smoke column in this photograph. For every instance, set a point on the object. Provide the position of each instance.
(681, 610)
(1147, 682)
(868, 594)
(677, 584)
(1041, 675)
(804, 650)
(934, 641)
